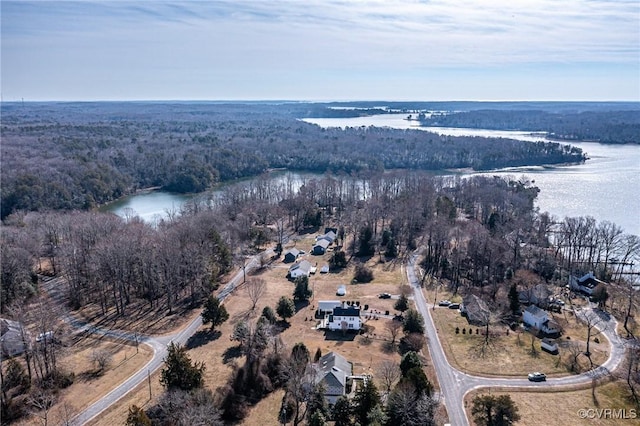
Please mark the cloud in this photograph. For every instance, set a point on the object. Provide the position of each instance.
(211, 41)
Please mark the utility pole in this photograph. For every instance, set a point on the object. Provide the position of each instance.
(149, 379)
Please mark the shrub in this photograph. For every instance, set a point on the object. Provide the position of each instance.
(363, 274)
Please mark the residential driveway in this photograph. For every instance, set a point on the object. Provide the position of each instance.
(455, 384)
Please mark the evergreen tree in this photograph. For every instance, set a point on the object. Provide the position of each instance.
(365, 400)
(514, 301)
(342, 412)
(179, 372)
(413, 322)
(409, 360)
(302, 292)
(269, 315)
(391, 248)
(402, 304)
(214, 312)
(365, 245)
(416, 377)
(285, 308)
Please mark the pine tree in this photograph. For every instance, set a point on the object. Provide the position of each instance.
(214, 312)
(285, 308)
(365, 400)
(179, 372)
(514, 301)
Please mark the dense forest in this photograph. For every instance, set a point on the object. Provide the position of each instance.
(477, 234)
(611, 127)
(66, 156)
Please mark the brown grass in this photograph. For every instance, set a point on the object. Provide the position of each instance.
(88, 387)
(365, 352)
(561, 407)
(510, 354)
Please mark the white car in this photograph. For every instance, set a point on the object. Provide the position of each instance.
(342, 290)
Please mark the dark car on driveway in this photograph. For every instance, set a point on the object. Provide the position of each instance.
(384, 296)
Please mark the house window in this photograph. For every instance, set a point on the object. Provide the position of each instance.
(350, 325)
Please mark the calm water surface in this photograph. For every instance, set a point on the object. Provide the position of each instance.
(606, 187)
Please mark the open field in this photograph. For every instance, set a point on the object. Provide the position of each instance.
(510, 352)
(562, 407)
(88, 386)
(364, 351)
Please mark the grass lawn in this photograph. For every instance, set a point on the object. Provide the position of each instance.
(563, 407)
(365, 352)
(89, 387)
(510, 352)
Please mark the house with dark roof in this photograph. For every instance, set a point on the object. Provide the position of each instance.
(333, 372)
(11, 338)
(302, 268)
(320, 247)
(343, 317)
(586, 284)
(475, 309)
(291, 255)
(533, 316)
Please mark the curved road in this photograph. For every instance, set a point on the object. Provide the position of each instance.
(158, 344)
(455, 384)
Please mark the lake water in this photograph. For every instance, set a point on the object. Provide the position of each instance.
(605, 187)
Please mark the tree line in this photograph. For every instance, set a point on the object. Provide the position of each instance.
(78, 156)
(610, 127)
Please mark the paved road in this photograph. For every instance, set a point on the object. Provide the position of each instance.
(158, 344)
(454, 384)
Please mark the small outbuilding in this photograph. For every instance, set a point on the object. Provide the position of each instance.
(549, 346)
(320, 248)
(302, 268)
(291, 255)
(11, 338)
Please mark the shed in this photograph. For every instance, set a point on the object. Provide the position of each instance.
(11, 338)
(291, 255)
(320, 247)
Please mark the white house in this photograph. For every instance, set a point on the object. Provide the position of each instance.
(333, 371)
(302, 268)
(538, 318)
(586, 284)
(343, 318)
(549, 346)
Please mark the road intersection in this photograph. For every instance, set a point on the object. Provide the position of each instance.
(454, 384)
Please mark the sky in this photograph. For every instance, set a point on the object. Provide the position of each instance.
(321, 50)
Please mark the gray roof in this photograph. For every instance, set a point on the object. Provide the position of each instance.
(332, 371)
(476, 309)
(534, 310)
(294, 251)
(303, 265)
(322, 243)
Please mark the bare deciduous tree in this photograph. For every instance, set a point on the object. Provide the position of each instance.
(389, 372)
(394, 328)
(101, 359)
(255, 288)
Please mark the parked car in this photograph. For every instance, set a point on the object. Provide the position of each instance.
(47, 337)
(444, 303)
(537, 377)
(454, 306)
(384, 296)
(342, 290)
